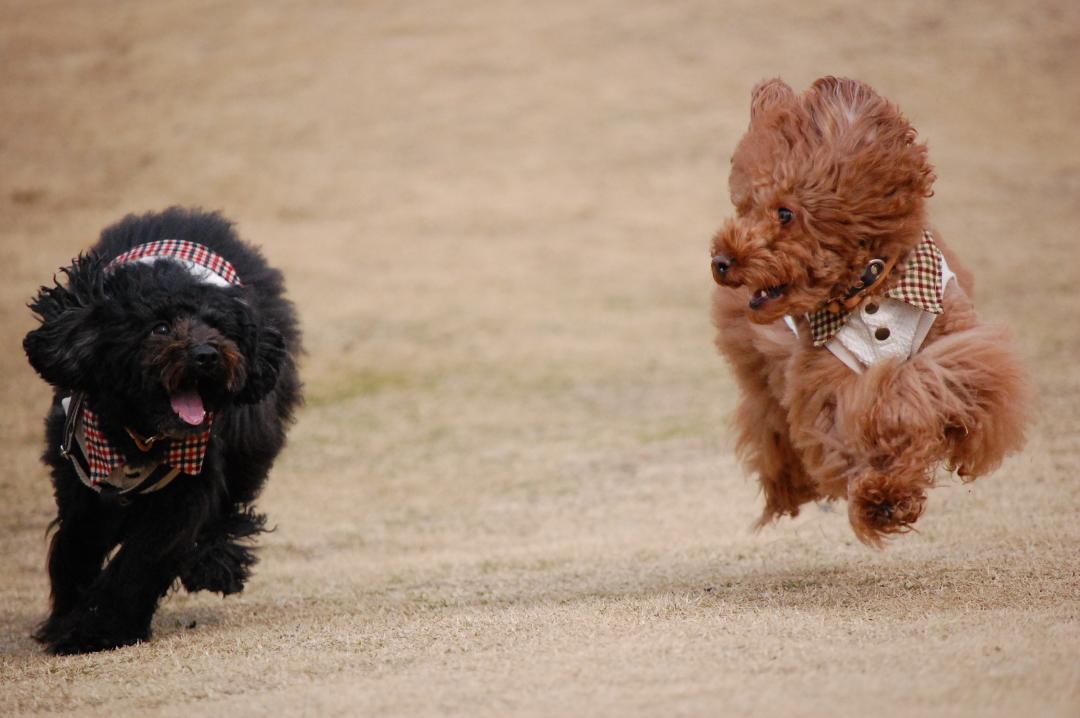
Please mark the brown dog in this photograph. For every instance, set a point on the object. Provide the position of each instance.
(848, 323)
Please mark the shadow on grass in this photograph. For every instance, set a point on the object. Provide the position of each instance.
(706, 582)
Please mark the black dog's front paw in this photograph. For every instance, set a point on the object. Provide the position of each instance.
(49, 630)
(221, 567)
(222, 560)
(86, 630)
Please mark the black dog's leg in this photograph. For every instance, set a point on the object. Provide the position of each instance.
(223, 558)
(83, 538)
(116, 609)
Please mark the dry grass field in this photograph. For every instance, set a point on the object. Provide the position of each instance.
(511, 491)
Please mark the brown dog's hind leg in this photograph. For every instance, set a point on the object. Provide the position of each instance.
(990, 423)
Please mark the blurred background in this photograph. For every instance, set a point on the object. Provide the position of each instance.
(512, 490)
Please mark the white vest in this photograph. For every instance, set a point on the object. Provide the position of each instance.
(882, 328)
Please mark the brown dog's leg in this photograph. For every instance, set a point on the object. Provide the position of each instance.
(895, 434)
(882, 504)
(997, 399)
(766, 449)
(757, 355)
(963, 399)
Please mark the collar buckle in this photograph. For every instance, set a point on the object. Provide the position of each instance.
(875, 272)
(143, 444)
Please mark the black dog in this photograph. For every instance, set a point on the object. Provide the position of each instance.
(172, 351)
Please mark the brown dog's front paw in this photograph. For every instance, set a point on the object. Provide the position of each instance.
(881, 505)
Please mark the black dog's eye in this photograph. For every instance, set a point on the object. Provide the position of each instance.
(785, 215)
(160, 329)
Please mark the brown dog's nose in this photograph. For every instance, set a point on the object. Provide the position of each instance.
(721, 263)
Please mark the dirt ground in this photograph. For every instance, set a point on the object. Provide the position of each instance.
(512, 491)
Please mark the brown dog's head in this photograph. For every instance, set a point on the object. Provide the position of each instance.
(822, 183)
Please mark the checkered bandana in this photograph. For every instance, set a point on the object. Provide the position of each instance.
(103, 458)
(920, 287)
(199, 260)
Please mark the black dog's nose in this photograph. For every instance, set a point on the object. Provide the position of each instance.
(721, 263)
(205, 356)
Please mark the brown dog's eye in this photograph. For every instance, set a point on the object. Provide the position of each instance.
(785, 215)
(161, 329)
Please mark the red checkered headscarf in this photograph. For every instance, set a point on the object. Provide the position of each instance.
(103, 458)
(205, 265)
(920, 287)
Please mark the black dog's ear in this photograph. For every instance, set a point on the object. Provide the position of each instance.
(62, 349)
(264, 365)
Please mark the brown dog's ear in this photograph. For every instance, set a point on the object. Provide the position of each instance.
(842, 87)
(879, 164)
(837, 105)
(767, 95)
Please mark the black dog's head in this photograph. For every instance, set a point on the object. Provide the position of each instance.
(153, 345)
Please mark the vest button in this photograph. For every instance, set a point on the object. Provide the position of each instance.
(871, 308)
(881, 334)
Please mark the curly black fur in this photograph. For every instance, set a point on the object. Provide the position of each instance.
(125, 337)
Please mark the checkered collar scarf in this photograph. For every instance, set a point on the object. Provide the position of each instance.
(206, 266)
(920, 287)
(103, 458)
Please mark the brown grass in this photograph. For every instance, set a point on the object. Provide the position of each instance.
(512, 491)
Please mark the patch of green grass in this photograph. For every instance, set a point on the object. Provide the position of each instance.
(356, 382)
(674, 429)
(28, 195)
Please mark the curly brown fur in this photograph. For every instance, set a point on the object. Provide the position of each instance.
(822, 183)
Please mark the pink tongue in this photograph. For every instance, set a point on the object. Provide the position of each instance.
(189, 407)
